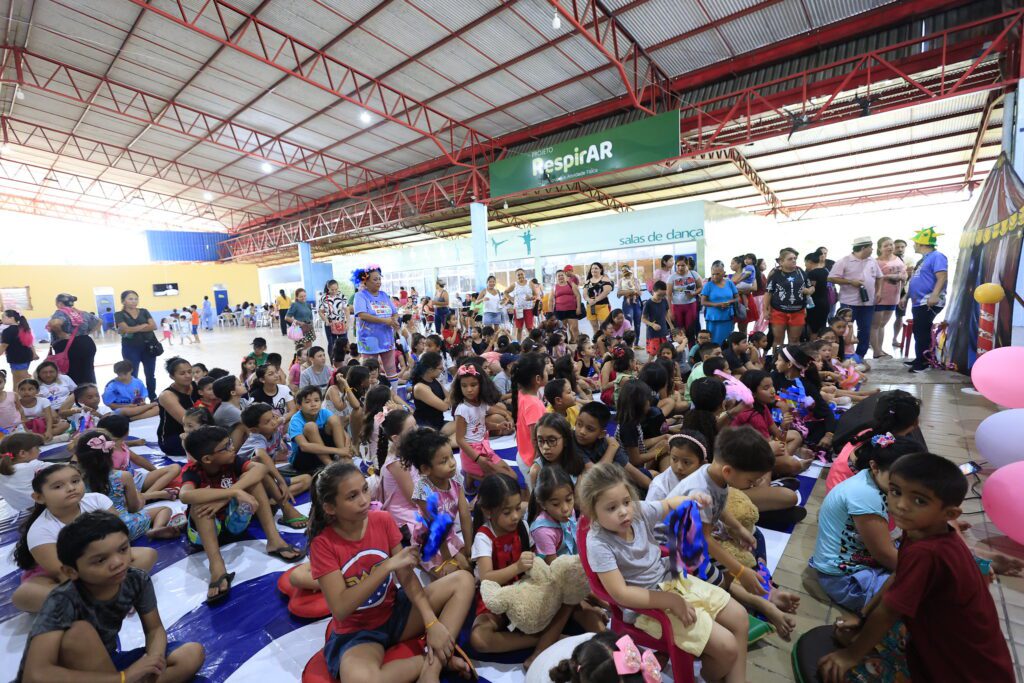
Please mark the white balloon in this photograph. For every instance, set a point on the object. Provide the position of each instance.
(1000, 438)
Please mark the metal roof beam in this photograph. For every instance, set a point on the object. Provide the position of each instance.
(640, 74)
(753, 177)
(276, 48)
(71, 83)
(510, 220)
(65, 211)
(986, 115)
(25, 133)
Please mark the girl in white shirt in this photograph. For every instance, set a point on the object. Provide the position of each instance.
(37, 414)
(19, 462)
(53, 386)
(60, 498)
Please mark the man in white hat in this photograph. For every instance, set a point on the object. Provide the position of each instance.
(856, 275)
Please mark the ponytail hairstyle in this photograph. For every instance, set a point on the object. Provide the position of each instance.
(622, 358)
(356, 376)
(707, 396)
(376, 401)
(593, 661)
(392, 426)
(22, 556)
(524, 372)
(24, 329)
(549, 480)
(884, 450)
(494, 490)
(428, 361)
(810, 373)
(12, 445)
(488, 394)
(895, 411)
(93, 451)
(324, 489)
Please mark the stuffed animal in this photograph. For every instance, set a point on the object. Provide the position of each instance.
(745, 512)
(532, 602)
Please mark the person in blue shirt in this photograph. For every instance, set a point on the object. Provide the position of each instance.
(318, 437)
(926, 294)
(376, 320)
(126, 394)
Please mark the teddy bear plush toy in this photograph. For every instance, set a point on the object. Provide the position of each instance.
(532, 602)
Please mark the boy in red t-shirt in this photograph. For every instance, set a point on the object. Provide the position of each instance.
(937, 588)
(223, 491)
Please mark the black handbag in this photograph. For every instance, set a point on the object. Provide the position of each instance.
(153, 347)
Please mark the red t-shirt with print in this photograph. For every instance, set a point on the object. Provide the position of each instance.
(329, 552)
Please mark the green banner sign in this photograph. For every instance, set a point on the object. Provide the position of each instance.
(635, 144)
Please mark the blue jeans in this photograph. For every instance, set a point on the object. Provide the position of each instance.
(633, 313)
(136, 355)
(862, 316)
(440, 315)
(854, 591)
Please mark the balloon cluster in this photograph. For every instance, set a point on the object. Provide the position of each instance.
(998, 377)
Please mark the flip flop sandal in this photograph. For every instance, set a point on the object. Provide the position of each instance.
(297, 523)
(791, 483)
(178, 521)
(222, 595)
(279, 554)
(461, 654)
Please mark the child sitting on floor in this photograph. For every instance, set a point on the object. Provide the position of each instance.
(126, 394)
(594, 444)
(473, 397)
(687, 452)
(784, 441)
(60, 497)
(937, 589)
(262, 423)
(317, 436)
(355, 555)
(624, 554)
(223, 491)
(75, 635)
(429, 453)
(741, 458)
(154, 483)
(19, 462)
(555, 445)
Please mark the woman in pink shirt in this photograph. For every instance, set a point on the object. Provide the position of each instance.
(565, 302)
(887, 293)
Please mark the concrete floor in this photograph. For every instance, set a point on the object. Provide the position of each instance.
(949, 419)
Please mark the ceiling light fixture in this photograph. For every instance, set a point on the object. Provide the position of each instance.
(365, 117)
(267, 167)
(556, 21)
(207, 196)
(19, 94)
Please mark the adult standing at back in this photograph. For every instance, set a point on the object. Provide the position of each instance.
(491, 299)
(894, 274)
(683, 288)
(718, 296)
(301, 314)
(17, 344)
(566, 299)
(663, 272)
(597, 289)
(283, 303)
(138, 343)
(521, 295)
(629, 293)
(333, 311)
(856, 275)
(78, 326)
(817, 275)
(786, 298)
(926, 293)
(376, 320)
(440, 306)
(207, 314)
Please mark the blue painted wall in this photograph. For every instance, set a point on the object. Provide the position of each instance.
(174, 245)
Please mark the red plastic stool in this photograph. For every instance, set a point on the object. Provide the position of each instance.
(305, 604)
(316, 670)
(908, 337)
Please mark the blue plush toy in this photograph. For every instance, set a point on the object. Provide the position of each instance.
(436, 526)
(687, 546)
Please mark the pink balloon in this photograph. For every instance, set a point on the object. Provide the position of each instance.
(1002, 500)
(999, 376)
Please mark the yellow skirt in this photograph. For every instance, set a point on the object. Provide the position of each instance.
(707, 601)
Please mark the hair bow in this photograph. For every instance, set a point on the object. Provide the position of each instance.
(468, 369)
(883, 440)
(619, 352)
(7, 455)
(101, 443)
(628, 660)
(378, 419)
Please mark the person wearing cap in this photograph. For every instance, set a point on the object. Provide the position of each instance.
(926, 293)
(629, 292)
(856, 274)
(259, 351)
(77, 326)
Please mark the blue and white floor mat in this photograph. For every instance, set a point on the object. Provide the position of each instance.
(252, 636)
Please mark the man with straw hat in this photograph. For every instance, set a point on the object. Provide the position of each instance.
(926, 293)
(856, 274)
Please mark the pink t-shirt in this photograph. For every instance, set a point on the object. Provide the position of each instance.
(852, 268)
(840, 470)
(529, 410)
(9, 415)
(889, 291)
(401, 508)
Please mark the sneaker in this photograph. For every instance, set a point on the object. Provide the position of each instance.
(914, 370)
(908, 362)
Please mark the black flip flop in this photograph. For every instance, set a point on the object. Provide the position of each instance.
(791, 483)
(222, 595)
(279, 554)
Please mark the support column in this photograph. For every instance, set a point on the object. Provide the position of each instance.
(306, 272)
(478, 221)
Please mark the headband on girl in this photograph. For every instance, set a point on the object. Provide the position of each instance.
(467, 369)
(789, 357)
(101, 443)
(698, 444)
(628, 660)
(883, 440)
